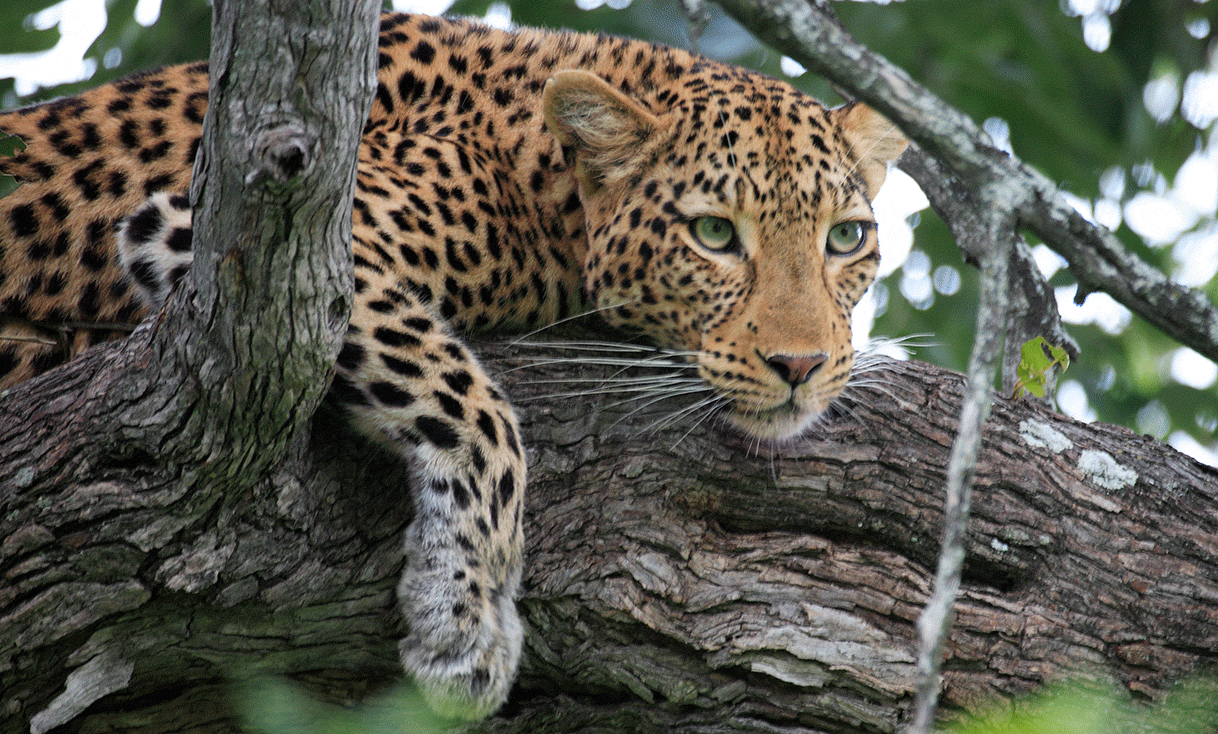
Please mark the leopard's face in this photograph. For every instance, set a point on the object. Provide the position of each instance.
(737, 228)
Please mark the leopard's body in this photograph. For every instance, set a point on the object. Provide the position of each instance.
(505, 180)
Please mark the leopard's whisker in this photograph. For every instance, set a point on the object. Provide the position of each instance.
(603, 346)
(665, 358)
(872, 381)
(572, 317)
(660, 379)
(645, 388)
(642, 391)
(659, 394)
(607, 362)
(677, 415)
(645, 355)
(715, 402)
(657, 397)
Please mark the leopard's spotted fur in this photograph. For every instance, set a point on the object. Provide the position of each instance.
(505, 181)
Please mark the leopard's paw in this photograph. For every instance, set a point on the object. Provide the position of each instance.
(465, 637)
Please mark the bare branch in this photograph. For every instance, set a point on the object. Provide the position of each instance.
(934, 625)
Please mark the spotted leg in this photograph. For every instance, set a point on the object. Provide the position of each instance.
(405, 379)
(408, 382)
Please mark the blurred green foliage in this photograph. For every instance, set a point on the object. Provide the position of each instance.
(1072, 112)
(277, 706)
(17, 14)
(181, 33)
(1092, 708)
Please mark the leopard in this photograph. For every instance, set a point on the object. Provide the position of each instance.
(506, 180)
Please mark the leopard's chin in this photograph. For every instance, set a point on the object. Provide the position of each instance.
(780, 423)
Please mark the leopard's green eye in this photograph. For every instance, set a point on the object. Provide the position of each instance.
(846, 237)
(714, 233)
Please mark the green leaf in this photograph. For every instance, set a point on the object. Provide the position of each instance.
(9, 144)
(1037, 360)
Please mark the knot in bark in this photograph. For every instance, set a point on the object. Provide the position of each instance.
(284, 152)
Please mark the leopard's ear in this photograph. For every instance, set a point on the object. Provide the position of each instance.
(875, 142)
(606, 131)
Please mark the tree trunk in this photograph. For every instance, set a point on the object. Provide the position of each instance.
(125, 479)
(674, 582)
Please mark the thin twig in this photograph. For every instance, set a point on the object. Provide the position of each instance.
(935, 622)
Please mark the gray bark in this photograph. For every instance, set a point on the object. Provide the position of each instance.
(673, 583)
(125, 478)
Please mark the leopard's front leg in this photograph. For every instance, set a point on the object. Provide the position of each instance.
(407, 381)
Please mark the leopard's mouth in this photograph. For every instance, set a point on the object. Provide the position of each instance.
(776, 423)
(758, 400)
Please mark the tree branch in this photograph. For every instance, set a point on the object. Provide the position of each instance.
(674, 582)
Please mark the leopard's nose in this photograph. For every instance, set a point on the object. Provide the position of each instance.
(796, 369)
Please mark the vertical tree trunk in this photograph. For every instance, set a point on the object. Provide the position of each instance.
(161, 443)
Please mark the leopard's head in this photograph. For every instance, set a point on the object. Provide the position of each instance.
(729, 215)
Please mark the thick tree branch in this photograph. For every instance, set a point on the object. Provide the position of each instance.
(674, 582)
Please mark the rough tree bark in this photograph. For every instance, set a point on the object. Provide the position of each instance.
(166, 527)
(167, 435)
(674, 583)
